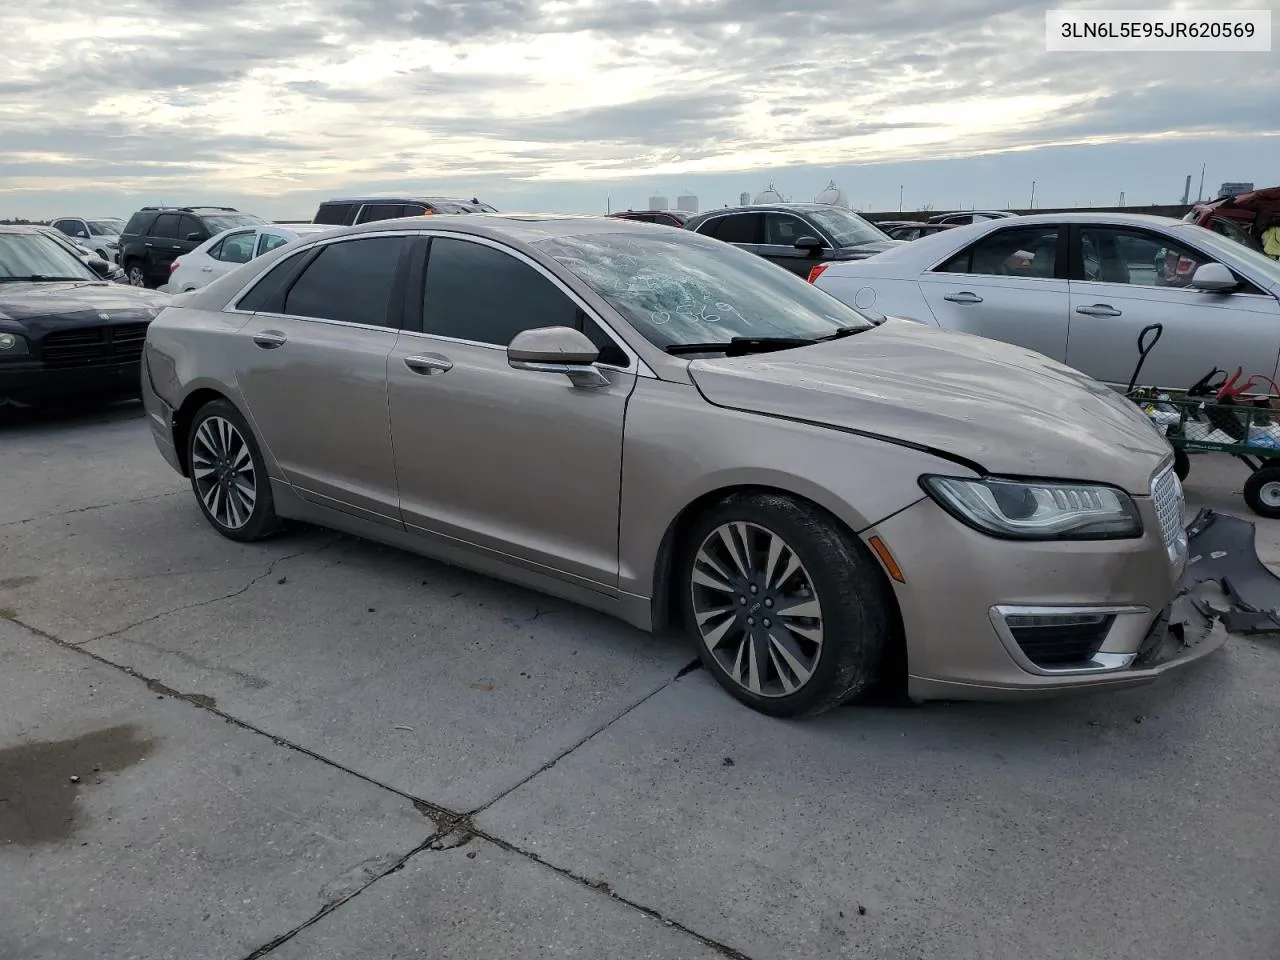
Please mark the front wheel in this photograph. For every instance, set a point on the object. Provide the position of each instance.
(229, 475)
(787, 609)
(1262, 492)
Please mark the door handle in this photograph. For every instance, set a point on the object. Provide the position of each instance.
(964, 297)
(269, 339)
(1099, 310)
(429, 364)
(148, 244)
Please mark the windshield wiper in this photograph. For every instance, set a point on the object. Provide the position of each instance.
(39, 277)
(739, 346)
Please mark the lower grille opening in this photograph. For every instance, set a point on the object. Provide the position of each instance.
(1060, 640)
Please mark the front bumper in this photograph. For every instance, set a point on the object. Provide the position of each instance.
(963, 588)
(27, 383)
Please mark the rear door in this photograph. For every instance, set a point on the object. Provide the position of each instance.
(1010, 285)
(162, 246)
(313, 371)
(743, 230)
(1124, 279)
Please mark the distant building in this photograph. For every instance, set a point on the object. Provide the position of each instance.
(657, 203)
(770, 195)
(744, 199)
(1233, 189)
(687, 202)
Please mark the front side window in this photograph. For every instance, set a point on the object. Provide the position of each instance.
(1229, 252)
(189, 228)
(33, 256)
(675, 288)
(784, 229)
(1116, 255)
(217, 222)
(1020, 252)
(349, 281)
(476, 292)
(235, 248)
(105, 228)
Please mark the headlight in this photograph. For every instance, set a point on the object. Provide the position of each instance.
(12, 345)
(1027, 510)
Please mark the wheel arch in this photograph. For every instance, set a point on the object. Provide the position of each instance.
(186, 413)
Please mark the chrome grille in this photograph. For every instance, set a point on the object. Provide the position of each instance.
(1166, 494)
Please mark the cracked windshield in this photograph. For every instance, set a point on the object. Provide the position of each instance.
(684, 291)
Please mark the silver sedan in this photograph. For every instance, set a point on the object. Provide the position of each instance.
(1079, 288)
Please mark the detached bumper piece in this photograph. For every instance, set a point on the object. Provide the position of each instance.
(1222, 553)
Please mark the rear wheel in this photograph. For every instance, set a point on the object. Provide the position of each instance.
(229, 475)
(1262, 492)
(137, 276)
(787, 609)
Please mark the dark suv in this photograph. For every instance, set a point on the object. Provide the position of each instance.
(671, 218)
(353, 210)
(155, 236)
(798, 236)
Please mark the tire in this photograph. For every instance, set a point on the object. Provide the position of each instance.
(232, 490)
(136, 276)
(1262, 492)
(1181, 464)
(805, 663)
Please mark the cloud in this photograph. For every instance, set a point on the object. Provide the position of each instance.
(237, 98)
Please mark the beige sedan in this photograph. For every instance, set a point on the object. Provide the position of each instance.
(663, 427)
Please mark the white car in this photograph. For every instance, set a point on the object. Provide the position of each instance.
(1080, 288)
(227, 250)
(99, 234)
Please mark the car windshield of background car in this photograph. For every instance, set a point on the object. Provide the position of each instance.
(1227, 250)
(106, 228)
(847, 229)
(217, 222)
(680, 290)
(33, 255)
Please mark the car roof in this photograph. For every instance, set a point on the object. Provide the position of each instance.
(396, 198)
(21, 227)
(521, 227)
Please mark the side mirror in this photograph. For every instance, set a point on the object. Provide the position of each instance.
(196, 236)
(100, 267)
(561, 350)
(808, 244)
(1213, 278)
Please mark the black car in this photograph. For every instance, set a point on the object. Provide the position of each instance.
(798, 236)
(914, 231)
(668, 218)
(64, 332)
(156, 236)
(964, 217)
(352, 210)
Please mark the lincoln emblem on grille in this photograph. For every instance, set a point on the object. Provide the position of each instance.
(104, 316)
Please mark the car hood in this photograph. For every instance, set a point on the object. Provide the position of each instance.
(76, 301)
(1008, 410)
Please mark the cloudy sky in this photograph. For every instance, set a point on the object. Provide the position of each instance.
(573, 104)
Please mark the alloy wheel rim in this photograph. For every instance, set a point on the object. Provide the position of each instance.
(225, 478)
(756, 609)
(135, 277)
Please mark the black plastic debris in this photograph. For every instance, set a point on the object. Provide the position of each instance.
(1221, 550)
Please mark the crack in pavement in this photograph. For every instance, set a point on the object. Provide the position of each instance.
(271, 567)
(452, 829)
(96, 506)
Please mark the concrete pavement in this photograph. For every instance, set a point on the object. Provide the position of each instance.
(318, 747)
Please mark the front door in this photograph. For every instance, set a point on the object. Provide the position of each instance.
(781, 231)
(521, 463)
(1010, 286)
(313, 373)
(1127, 279)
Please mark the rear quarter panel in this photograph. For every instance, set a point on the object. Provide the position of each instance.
(894, 297)
(190, 349)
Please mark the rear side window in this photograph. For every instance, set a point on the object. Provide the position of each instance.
(191, 228)
(739, 228)
(474, 292)
(414, 210)
(235, 248)
(269, 241)
(380, 211)
(137, 224)
(1020, 252)
(267, 295)
(350, 281)
(166, 226)
(334, 214)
